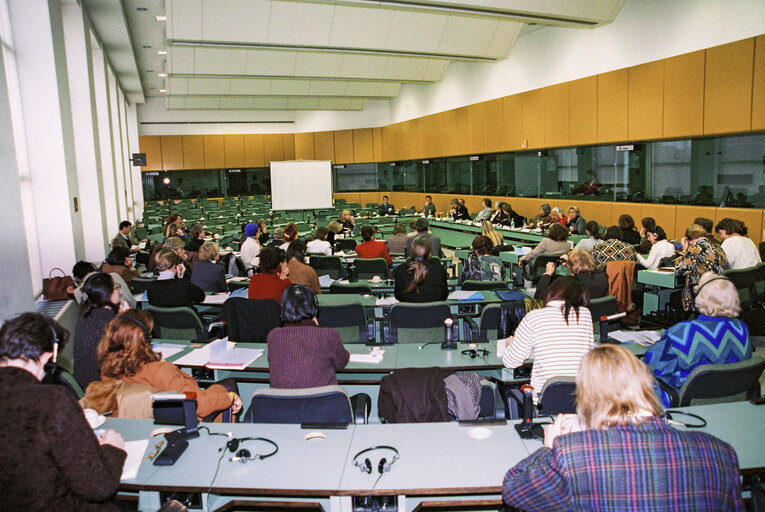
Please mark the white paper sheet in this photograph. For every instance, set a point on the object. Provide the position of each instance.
(234, 358)
(135, 451)
(644, 338)
(325, 281)
(167, 349)
(218, 298)
(386, 301)
(375, 356)
(465, 295)
(197, 357)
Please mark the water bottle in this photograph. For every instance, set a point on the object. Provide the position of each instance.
(512, 223)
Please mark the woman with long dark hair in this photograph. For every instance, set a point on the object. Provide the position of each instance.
(420, 279)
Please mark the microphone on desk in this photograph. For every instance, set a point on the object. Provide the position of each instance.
(448, 344)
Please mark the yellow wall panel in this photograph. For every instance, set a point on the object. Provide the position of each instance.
(377, 144)
(193, 152)
(685, 215)
(324, 146)
(646, 100)
(214, 153)
(288, 143)
(343, 146)
(273, 147)
(254, 152)
(583, 111)
(751, 217)
(370, 197)
(172, 152)
(599, 211)
(363, 146)
(486, 127)
(304, 146)
(684, 95)
(151, 145)
(512, 122)
(432, 141)
(456, 127)
(388, 139)
(533, 108)
(618, 209)
(557, 112)
(758, 93)
(664, 215)
(728, 87)
(233, 146)
(613, 106)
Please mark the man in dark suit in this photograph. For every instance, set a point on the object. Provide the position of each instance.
(421, 226)
(387, 208)
(125, 238)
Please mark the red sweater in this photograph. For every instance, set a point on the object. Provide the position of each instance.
(267, 286)
(374, 249)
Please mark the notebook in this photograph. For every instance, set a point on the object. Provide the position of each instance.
(511, 295)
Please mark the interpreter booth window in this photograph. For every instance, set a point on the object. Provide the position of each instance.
(459, 175)
(406, 176)
(182, 184)
(434, 171)
(355, 177)
(621, 171)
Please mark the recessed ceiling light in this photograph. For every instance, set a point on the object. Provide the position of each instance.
(141, 9)
(163, 90)
(161, 17)
(161, 52)
(162, 75)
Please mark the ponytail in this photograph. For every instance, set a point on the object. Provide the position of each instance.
(421, 250)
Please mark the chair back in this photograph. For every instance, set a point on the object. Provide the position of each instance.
(354, 288)
(326, 404)
(729, 382)
(558, 396)
(495, 251)
(177, 323)
(327, 265)
(471, 285)
(367, 268)
(140, 284)
(488, 323)
(349, 320)
(600, 307)
(537, 267)
(417, 323)
(345, 244)
(745, 281)
(250, 320)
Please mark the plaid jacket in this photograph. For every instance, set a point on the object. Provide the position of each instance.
(612, 250)
(651, 467)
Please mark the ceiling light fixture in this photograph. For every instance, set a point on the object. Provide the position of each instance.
(161, 17)
(162, 75)
(163, 90)
(161, 52)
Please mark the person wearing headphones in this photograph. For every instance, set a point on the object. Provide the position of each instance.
(50, 457)
(301, 354)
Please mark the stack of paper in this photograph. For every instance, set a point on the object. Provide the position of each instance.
(643, 338)
(167, 349)
(220, 354)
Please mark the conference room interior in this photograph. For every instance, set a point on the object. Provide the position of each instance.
(663, 102)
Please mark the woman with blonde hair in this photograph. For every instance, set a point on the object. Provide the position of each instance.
(715, 336)
(487, 230)
(581, 265)
(618, 453)
(208, 275)
(420, 279)
(346, 220)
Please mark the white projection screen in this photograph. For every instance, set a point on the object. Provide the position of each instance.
(301, 184)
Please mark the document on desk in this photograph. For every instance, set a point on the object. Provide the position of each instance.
(465, 295)
(643, 338)
(386, 301)
(234, 358)
(197, 357)
(217, 298)
(167, 349)
(522, 250)
(375, 356)
(325, 281)
(135, 451)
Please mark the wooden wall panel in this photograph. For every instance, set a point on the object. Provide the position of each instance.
(388, 138)
(304, 146)
(557, 113)
(324, 146)
(288, 145)
(613, 106)
(751, 217)
(599, 211)
(683, 112)
(618, 209)
(370, 197)
(533, 108)
(363, 146)
(432, 140)
(408, 141)
(664, 215)
(151, 145)
(728, 87)
(193, 152)
(456, 128)
(343, 146)
(254, 151)
(486, 127)
(646, 101)
(377, 144)
(172, 152)
(214, 153)
(583, 111)
(758, 92)
(233, 147)
(273, 147)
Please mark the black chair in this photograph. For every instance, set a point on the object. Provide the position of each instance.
(328, 265)
(716, 383)
(351, 288)
(367, 268)
(668, 261)
(177, 324)
(345, 245)
(326, 404)
(535, 270)
(745, 280)
(471, 285)
(495, 251)
(250, 320)
(349, 320)
(417, 323)
(139, 284)
(600, 308)
(487, 325)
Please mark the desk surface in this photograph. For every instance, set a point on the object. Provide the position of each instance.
(657, 277)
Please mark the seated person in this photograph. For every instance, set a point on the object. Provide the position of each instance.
(277, 241)
(333, 228)
(619, 454)
(590, 187)
(125, 353)
(50, 456)
(557, 217)
(299, 272)
(481, 265)
(629, 234)
(262, 232)
(420, 279)
(102, 303)
(717, 336)
(125, 237)
(319, 244)
(250, 249)
(290, 234)
(397, 243)
(196, 235)
(372, 248)
(458, 211)
(386, 208)
(660, 248)
(647, 224)
(543, 219)
(422, 229)
(740, 250)
(697, 256)
(582, 266)
(178, 246)
(556, 336)
(81, 271)
(486, 211)
(510, 217)
(170, 290)
(555, 242)
(592, 230)
(575, 222)
(208, 275)
(429, 210)
(120, 262)
(494, 236)
(301, 354)
(346, 220)
(271, 279)
(708, 225)
(611, 248)
(498, 216)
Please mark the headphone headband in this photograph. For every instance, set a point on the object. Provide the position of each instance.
(718, 278)
(233, 446)
(146, 331)
(383, 466)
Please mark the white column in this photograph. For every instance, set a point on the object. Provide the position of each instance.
(132, 138)
(101, 88)
(119, 168)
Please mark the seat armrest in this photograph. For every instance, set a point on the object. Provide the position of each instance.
(361, 404)
(674, 393)
(470, 328)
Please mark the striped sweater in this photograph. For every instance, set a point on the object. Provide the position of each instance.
(555, 347)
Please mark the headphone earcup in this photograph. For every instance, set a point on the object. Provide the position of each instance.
(383, 466)
(367, 466)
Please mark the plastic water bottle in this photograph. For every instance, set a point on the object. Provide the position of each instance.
(512, 223)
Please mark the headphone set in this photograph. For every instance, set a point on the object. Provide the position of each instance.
(475, 352)
(719, 278)
(244, 455)
(146, 330)
(670, 412)
(383, 466)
